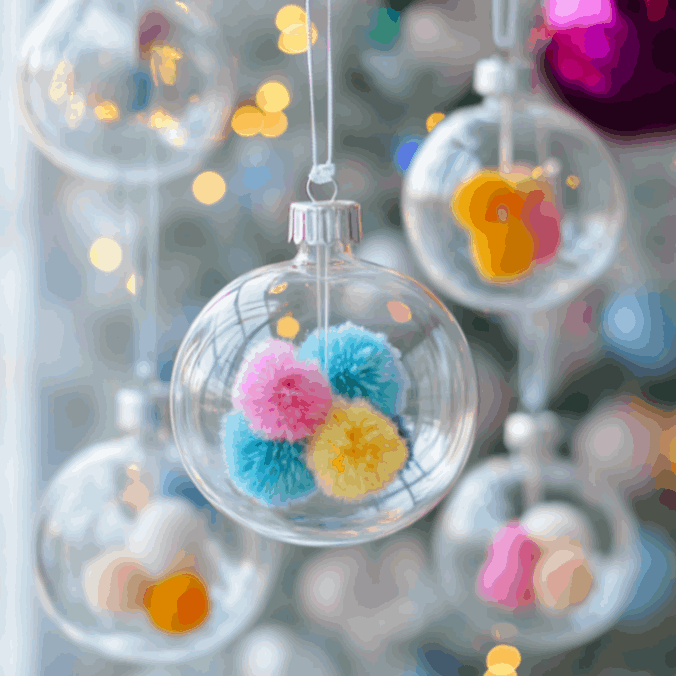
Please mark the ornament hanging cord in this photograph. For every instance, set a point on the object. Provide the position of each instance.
(321, 173)
(504, 37)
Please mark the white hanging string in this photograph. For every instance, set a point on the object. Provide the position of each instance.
(321, 173)
(504, 17)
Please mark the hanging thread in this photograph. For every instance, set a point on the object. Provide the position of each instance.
(504, 23)
(321, 173)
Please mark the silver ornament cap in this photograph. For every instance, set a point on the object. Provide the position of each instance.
(327, 222)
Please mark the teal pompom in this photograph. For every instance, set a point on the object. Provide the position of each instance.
(271, 471)
(362, 365)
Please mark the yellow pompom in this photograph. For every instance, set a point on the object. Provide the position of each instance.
(356, 451)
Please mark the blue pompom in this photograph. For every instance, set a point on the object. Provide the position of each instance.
(271, 471)
(362, 364)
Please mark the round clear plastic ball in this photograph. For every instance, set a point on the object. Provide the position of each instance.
(321, 438)
(119, 528)
(480, 256)
(123, 90)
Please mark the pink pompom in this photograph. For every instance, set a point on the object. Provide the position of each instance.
(280, 395)
(544, 223)
(507, 576)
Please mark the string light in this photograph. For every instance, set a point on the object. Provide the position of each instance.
(292, 22)
(209, 187)
(107, 111)
(105, 254)
(433, 120)
(272, 97)
(247, 121)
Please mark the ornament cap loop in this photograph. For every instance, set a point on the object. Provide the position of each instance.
(494, 76)
(327, 222)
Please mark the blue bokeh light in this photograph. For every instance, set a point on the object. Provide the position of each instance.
(405, 152)
(638, 329)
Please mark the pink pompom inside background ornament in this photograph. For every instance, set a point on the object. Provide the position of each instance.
(507, 576)
(281, 396)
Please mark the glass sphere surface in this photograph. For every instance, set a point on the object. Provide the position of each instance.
(125, 91)
(552, 152)
(116, 523)
(422, 407)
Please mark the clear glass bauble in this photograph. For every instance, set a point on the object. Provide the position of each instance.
(120, 517)
(399, 369)
(127, 91)
(594, 517)
(559, 155)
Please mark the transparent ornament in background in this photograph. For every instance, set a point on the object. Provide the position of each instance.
(371, 596)
(127, 502)
(515, 131)
(548, 140)
(326, 286)
(488, 497)
(131, 92)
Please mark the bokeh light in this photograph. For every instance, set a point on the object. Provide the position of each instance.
(274, 124)
(291, 20)
(107, 111)
(433, 120)
(272, 97)
(573, 182)
(288, 327)
(403, 155)
(131, 284)
(248, 121)
(105, 254)
(209, 187)
(639, 328)
(503, 654)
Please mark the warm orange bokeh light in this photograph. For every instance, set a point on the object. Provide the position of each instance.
(433, 120)
(272, 97)
(288, 16)
(160, 119)
(294, 40)
(164, 60)
(107, 111)
(572, 182)
(105, 254)
(503, 654)
(288, 327)
(274, 125)
(247, 121)
(209, 187)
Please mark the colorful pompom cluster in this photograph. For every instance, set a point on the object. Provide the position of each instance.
(521, 570)
(512, 220)
(294, 429)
